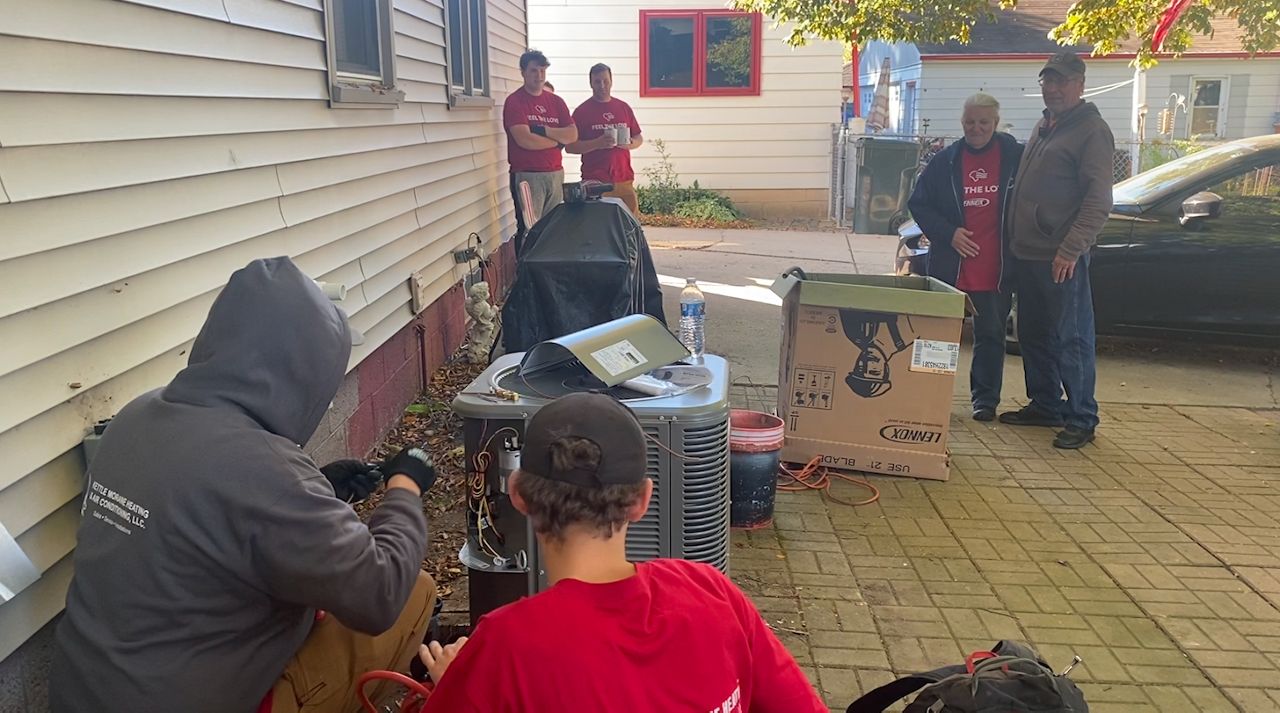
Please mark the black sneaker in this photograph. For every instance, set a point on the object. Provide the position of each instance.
(1029, 415)
(1073, 438)
(983, 413)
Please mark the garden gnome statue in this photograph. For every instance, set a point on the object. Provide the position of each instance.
(484, 326)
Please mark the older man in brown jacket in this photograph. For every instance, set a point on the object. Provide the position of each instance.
(1060, 202)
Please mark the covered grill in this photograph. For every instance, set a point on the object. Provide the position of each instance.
(582, 265)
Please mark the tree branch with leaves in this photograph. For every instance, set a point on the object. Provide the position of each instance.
(1105, 25)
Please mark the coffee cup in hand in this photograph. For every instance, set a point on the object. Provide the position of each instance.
(624, 134)
(610, 139)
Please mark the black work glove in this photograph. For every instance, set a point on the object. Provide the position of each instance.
(413, 463)
(352, 480)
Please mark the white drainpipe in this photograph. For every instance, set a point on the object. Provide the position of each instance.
(1137, 126)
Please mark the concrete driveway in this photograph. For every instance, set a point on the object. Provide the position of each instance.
(1153, 554)
(736, 267)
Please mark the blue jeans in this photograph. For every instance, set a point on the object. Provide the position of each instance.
(1056, 332)
(987, 371)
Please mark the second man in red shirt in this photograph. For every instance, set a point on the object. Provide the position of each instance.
(604, 157)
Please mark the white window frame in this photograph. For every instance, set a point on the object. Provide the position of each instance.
(354, 90)
(1224, 96)
(464, 90)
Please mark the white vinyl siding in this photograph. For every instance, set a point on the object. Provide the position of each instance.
(147, 150)
(713, 140)
(946, 83)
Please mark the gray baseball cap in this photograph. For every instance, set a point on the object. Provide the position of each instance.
(1068, 64)
(598, 418)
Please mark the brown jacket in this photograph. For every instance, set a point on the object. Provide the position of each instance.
(1062, 195)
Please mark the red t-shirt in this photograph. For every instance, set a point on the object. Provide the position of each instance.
(546, 109)
(980, 181)
(592, 118)
(676, 637)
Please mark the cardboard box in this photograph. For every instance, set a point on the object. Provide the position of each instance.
(866, 372)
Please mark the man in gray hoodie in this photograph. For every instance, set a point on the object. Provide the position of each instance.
(209, 539)
(1061, 199)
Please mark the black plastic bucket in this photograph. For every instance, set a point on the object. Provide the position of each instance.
(755, 444)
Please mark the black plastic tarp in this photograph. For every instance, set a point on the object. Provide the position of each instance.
(581, 265)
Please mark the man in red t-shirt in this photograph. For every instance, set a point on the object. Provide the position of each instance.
(538, 126)
(662, 636)
(598, 120)
(958, 202)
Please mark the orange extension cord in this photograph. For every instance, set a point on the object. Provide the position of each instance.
(815, 477)
(413, 702)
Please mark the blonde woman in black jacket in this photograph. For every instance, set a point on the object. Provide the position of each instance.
(959, 202)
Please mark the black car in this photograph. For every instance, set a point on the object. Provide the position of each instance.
(1192, 248)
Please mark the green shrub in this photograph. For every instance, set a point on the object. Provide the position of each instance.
(706, 208)
(1161, 151)
(666, 201)
(664, 195)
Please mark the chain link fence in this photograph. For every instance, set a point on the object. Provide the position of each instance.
(836, 208)
(1134, 157)
(846, 167)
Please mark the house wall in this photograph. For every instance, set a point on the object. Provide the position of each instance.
(1253, 94)
(771, 153)
(904, 69)
(150, 148)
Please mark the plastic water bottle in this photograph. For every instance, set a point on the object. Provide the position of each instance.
(693, 317)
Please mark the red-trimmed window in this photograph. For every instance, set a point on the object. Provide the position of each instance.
(697, 53)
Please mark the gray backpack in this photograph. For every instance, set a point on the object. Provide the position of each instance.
(1011, 678)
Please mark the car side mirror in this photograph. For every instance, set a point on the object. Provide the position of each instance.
(1202, 206)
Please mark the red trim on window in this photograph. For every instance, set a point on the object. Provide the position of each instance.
(699, 69)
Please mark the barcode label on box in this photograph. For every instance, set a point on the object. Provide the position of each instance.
(935, 357)
(620, 357)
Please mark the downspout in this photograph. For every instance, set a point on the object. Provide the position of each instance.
(1138, 121)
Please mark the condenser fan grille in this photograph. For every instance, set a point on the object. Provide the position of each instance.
(704, 486)
(644, 538)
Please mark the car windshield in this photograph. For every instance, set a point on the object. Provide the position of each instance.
(1149, 186)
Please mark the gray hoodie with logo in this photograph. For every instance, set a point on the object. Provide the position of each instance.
(208, 537)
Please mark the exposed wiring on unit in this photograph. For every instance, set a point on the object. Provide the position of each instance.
(478, 497)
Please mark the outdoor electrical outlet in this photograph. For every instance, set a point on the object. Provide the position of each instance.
(464, 256)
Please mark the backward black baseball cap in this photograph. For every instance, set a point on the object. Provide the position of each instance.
(1068, 64)
(598, 418)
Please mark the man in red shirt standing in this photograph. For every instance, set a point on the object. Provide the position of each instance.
(538, 126)
(609, 635)
(958, 202)
(598, 120)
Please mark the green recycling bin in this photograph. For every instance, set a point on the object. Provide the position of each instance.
(881, 173)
